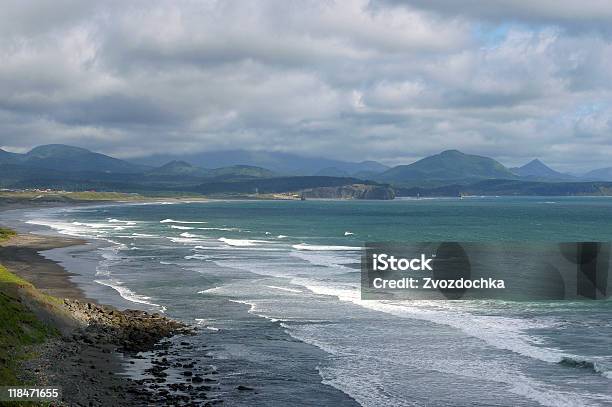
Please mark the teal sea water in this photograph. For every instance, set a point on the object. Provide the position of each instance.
(275, 288)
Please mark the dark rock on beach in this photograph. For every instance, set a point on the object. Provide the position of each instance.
(129, 330)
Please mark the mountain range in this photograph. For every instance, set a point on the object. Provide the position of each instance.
(68, 167)
(280, 163)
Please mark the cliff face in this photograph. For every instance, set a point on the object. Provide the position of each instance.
(355, 191)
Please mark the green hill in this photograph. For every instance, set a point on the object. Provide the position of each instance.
(537, 170)
(67, 158)
(447, 166)
(241, 171)
(178, 168)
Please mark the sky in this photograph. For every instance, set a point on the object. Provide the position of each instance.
(384, 80)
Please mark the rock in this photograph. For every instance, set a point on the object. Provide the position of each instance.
(355, 191)
(132, 330)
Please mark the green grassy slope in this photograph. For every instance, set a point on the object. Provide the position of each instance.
(19, 326)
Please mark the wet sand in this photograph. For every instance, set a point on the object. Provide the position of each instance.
(21, 255)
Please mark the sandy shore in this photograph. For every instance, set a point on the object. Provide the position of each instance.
(21, 256)
(89, 361)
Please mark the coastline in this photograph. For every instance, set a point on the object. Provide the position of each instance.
(98, 344)
(170, 367)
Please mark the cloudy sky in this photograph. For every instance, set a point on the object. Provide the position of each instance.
(353, 79)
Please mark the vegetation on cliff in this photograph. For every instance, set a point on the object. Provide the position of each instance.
(19, 327)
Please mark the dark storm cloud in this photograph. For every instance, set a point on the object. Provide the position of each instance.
(353, 79)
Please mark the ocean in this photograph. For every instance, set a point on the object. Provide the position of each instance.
(274, 287)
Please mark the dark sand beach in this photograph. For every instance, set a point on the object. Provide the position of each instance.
(87, 360)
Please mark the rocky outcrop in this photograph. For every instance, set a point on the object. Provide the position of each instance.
(130, 330)
(355, 191)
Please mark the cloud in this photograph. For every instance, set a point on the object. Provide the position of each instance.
(580, 15)
(353, 80)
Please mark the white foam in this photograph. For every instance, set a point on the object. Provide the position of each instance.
(304, 246)
(210, 290)
(499, 332)
(180, 221)
(202, 322)
(241, 242)
(127, 222)
(291, 290)
(186, 234)
(347, 233)
(96, 225)
(332, 260)
(63, 228)
(223, 229)
(184, 240)
(128, 294)
(281, 236)
(181, 227)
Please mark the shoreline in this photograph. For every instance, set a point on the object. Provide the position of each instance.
(170, 368)
(95, 348)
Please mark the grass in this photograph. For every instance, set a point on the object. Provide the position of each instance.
(77, 196)
(97, 195)
(19, 327)
(6, 233)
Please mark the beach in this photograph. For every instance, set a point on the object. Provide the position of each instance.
(266, 365)
(88, 358)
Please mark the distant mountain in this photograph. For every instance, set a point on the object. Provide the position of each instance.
(67, 158)
(7, 157)
(449, 173)
(536, 169)
(178, 168)
(241, 171)
(332, 172)
(601, 174)
(373, 167)
(447, 166)
(283, 163)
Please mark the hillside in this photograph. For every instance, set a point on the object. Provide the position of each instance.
(447, 166)
(601, 174)
(536, 169)
(241, 171)
(274, 185)
(67, 158)
(497, 187)
(178, 168)
(332, 172)
(281, 163)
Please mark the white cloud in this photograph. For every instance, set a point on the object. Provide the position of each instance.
(352, 79)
